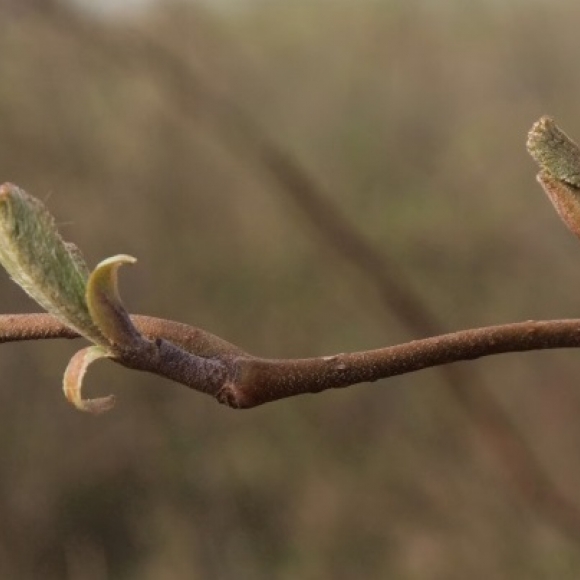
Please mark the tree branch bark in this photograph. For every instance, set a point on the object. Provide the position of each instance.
(248, 381)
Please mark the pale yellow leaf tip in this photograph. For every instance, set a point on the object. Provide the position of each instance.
(105, 304)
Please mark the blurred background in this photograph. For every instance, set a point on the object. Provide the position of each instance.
(301, 178)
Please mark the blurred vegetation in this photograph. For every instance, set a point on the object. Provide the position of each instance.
(414, 116)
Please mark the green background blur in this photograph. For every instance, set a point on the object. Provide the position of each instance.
(412, 116)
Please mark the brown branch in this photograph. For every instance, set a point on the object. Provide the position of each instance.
(251, 381)
(209, 364)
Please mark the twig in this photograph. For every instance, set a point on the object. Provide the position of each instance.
(249, 381)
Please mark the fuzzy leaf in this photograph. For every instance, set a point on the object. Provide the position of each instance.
(559, 160)
(73, 380)
(105, 305)
(50, 270)
(554, 151)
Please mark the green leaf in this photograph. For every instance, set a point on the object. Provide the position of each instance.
(73, 381)
(49, 269)
(554, 151)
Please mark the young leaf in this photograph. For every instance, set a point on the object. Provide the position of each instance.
(554, 151)
(50, 270)
(73, 381)
(105, 306)
(559, 160)
(565, 200)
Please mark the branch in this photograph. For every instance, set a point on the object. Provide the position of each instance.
(250, 381)
(189, 356)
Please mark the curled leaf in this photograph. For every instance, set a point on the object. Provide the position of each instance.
(73, 380)
(105, 305)
(50, 270)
